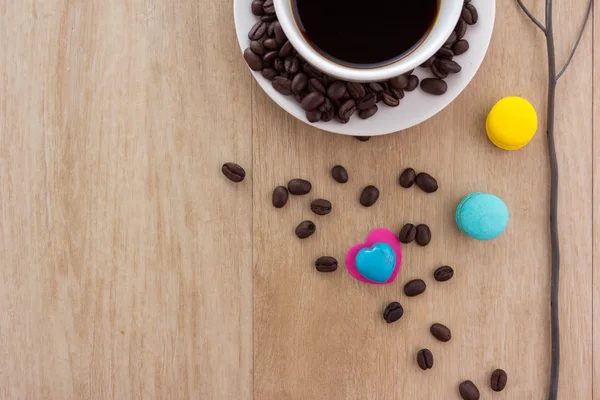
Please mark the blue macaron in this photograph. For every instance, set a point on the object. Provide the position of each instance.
(482, 216)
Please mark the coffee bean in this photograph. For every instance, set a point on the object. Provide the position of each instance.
(327, 115)
(498, 380)
(291, 65)
(423, 235)
(286, 50)
(434, 86)
(443, 274)
(299, 83)
(425, 359)
(366, 102)
(279, 34)
(320, 206)
(297, 97)
(269, 73)
(414, 287)
(269, 7)
(299, 187)
(356, 90)
(428, 63)
(269, 18)
(399, 82)
(311, 71)
(369, 196)
(448, 66)
(337, 90)
(393, 312)
(390, 100)
(326, 264)
(451, 39)
(270, 44)
(305, 229)
(366, 114)
(253, 60)
(469, 14)
(375, 87)
(407, 233)
(280, 196)
(282, 85)
(316, 85)
(257, 47)
(269, 58)
(257, 8)
(340, 174)
(468, 391)
(444, 52)
(460, 29)
(233, 172)
(313, 116)
(279, 65)
(312, 100)
(413, 82)
(362, 138)
(441, 332)
(460, 47)
(347, 109)
(439, 73)
(407, 178)
(271, 31)
(258, 30)
(426, 182)
(326, 105)
(397, 93)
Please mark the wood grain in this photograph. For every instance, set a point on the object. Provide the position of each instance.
(124, 275)
(596, 203)
(322, 336)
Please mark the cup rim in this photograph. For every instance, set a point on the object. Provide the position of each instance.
(448, 15)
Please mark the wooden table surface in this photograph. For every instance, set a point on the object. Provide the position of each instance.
(130, 268)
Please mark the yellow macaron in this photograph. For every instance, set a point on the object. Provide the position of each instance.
(511, 123)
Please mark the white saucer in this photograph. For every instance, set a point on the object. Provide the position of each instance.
(416, 107)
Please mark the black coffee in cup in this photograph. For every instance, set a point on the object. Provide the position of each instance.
(365, 33)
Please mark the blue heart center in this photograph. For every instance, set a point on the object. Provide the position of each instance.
(377, 262)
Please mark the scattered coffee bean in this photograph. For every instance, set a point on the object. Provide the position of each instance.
(460, 29)
(425, 359)
(415, 287)
(390, 100)
(444, 52)
(257, 8)
(299, 187)
(443, 274)
(312, 101)
(271, 31)
(435, 70)
(346, 110)
(269, 7)
(340, 174)
(356, 90)
(362, 138)
(253, 60)
(305, 229)
(413, 82)
(375, 87)
(270, 57)
(327, 116)
(408, 233)
(426, 182)
(258, 30)
(369, 196)
(367, 101)
(269, 73)
(469, 14)
(428, 63)
(316, 85)
(468, 391)
(460, 47)
(279, 34)
(397, 93)
(407, 178)
(299, 83)
(313, 115)
(320, 206)
(498, 380)
(280, 196)
(393, 312)
(434, 86)
(366, 114)
(423, 235)
(282, 85)
(257, 47)
(448, 66)
(233, 172)
(441, 332)
(268, 18)
(337, 90)
(399, 82)
(326, 105)
(291, 65)
(270, 44)
(451, 39)
(326, 264)
(286, 50)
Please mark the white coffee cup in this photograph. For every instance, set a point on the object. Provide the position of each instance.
(449, 12)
